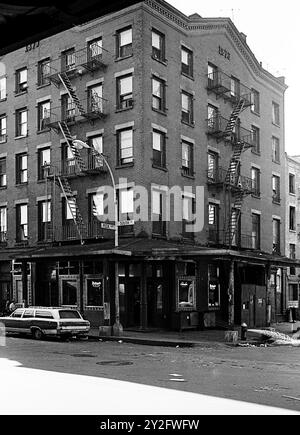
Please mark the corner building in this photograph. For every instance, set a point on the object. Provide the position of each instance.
(170, 101)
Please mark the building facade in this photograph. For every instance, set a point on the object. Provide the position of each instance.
(181, 109)
(292, 231)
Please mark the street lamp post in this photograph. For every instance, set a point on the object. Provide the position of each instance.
(117, 327)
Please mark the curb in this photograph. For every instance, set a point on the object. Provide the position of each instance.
(144, 341)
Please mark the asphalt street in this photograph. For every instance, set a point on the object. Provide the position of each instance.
(267, 376)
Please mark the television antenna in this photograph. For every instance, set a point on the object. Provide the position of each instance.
(232, 11)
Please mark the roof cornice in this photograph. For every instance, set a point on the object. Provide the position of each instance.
(206, 24)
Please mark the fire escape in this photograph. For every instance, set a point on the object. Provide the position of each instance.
(76, 111)
(229, 130)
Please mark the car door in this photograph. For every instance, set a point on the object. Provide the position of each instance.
(13, 323)
(27, 319)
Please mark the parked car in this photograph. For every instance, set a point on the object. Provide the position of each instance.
(45, 321)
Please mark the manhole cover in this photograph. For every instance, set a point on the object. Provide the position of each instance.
(114, 363)
(83, 355)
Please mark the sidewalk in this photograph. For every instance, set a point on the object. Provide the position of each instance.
(189, 338)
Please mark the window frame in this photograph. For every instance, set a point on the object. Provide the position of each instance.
(159, 54)
(187, 170)
(276, 189)
(255, 137)
(275, 113)
(292, 184)
(21, 228)
(275, 149)
(21, 87)
(255, 97)
(189, 113)
(187, 69)
(256, 180)
(40, 115)
(3, 174)
(159, 162)
(292, 218)
(256, 233)
(130, 159)
(41, 80)
(3, 89)
(128, 48)
(124, 98)
(161, 98)
(20, 170)
(3, 128)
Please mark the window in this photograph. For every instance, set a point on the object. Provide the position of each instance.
(69, 211)
(68, 108)
(95, 99)
(234, 87)
(275, 113)
(255, 106)
(124, 92)
(293, 293)
(158, 45)
(96, 142)
(3, 223)
(212, 74)
(3, 136)
(96, 206)
(186, 293)
(43, 72)
(158, 221)
(159, 148)
(276, 236)
(22, 222)
(124, 42)
(292, 251)
(213, 163)
(126, 209)
(3, 172)
(69, 292)
(95, 296)
(44, 160)
(68, 60)
(213, 222)
(68, 160)
(21, 168)
(125, 146)
(41, 314)
(44, 219)
(21, 122)
(21, 80)
(276, 188)
(255, 234)
(292, 219)
(255, 137)
(158, 94)
(188, 209)
(275, 150)
(2, 88)
(187, 115)
(292, 184)
(213, 286)
(43, 115)
(186, 61)
(212, 117)
(187, 159)
(255, 177)
(94, 49)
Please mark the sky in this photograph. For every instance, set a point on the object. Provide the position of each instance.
(272, 29)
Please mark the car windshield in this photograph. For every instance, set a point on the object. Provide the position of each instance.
(69, 314)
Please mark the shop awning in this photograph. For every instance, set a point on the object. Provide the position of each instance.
(155, 249)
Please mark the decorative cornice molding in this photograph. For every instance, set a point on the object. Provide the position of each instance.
(189, 25)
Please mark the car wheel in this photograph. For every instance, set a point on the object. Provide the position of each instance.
(37, 334)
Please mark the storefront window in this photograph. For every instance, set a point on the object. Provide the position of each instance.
(213, 286)
(134, 270)
(186, 292)
(95, 292)
(121, 269)
(69, 292)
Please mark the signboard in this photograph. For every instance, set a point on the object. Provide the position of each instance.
(125, 223)
(293, 304)
(108, 226)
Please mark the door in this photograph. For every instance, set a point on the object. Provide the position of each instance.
(133, 305)
(253, 305)
(155, 303)
(260, 306)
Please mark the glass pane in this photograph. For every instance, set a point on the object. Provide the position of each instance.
(126, 37)
(126, 85)
(95, 292)
(127, 201)
(97, 143)
(157, 141)
(156, 40)
(156, 202)
(98, 205)
(126, 138)
(156, 88)
(186, 292)
(46, 211)
(69, 292)
(23, 214)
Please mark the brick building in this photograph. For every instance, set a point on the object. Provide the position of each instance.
(172, 102)
(292, 230)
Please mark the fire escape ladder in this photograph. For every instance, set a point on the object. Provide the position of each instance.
(72, 94)
(72, 204)
(68, 137)
(234, 117)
